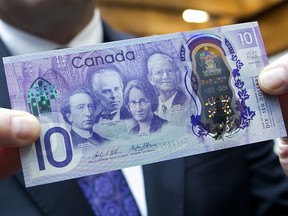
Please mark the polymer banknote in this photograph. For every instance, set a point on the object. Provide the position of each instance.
(140, 101)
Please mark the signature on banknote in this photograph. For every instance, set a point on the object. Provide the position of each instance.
(105, 155)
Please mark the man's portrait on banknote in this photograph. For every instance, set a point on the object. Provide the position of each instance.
(165, 77)
(111, 116)
(78, 110)
(140, 99)
(107, 85)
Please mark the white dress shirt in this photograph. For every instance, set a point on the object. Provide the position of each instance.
(20, 42)
(166, 112)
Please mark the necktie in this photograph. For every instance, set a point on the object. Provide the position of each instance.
(164, 112)
(109, 194)
(108, 116)
(164, 108)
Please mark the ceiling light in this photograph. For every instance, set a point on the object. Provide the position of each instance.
(195, 16)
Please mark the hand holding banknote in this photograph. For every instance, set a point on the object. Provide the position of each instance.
(17, 129)
(274, 80)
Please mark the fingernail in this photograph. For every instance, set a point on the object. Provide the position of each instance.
(274, 78)
(25, 127)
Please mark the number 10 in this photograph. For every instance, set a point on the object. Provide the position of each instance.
(246, 38)
(48, 149)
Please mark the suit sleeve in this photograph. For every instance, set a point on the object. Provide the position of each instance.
(269, 185)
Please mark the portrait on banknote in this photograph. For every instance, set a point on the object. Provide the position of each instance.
(165, 75)
(141, 101)
(78, 111)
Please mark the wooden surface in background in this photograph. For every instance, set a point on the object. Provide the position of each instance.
(150, 17)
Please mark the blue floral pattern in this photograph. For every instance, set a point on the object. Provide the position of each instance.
(109, 194)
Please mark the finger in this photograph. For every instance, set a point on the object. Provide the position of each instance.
(9, 161)
(273, 79)
(283, 99)
(17, 128)
(283, 154)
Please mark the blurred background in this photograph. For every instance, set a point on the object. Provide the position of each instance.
(150, 17)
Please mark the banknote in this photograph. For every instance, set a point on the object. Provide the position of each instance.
(144, 100)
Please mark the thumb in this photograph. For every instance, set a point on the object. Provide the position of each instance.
(17, 128)
(273, 79)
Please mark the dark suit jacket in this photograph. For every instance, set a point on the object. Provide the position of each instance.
(240, 181)
(77, 139)
(180, 99)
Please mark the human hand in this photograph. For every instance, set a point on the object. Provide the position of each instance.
(273, 80)
(17, 129)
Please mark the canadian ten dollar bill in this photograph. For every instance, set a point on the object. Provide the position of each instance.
(140, 101)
